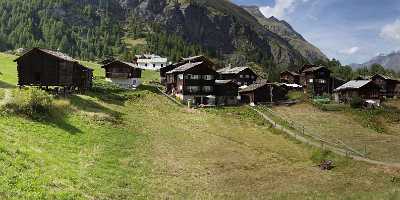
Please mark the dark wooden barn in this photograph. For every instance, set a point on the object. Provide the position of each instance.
(193, 81)
(316, 80)
(240, 75)
(263, 92)
(227, 92)
(290, 77)
(365, 89)
(42, 67)
(389, 87)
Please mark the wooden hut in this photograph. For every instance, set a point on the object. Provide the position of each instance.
(227, 92)
(42, 67)
(365, 89)
(290, 77)
(123, 74)
(390, 87)
(262, 92)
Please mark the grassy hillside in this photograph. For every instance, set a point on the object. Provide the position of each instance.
(116, 144)
(355, 128)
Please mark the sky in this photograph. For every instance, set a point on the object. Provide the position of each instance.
(353, 31)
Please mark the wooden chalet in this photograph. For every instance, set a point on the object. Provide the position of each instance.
(389, 87)
(124, 74)
(182, 61)
(199, 58)
(290, 77)
(164, 70)
(193, 81)
(227, 92)
(316, 80)
(262, 92)
(46, 68)
(240, 75)
(365, 89)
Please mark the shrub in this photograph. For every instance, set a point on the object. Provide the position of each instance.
(356, 102)
(320, 155)
(29, 102)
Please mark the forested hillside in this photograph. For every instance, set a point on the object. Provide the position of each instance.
(90, 29)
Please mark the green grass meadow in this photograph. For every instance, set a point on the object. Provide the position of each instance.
(117, 144)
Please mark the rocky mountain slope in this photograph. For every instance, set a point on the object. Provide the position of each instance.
(389, 61)
(285, 30)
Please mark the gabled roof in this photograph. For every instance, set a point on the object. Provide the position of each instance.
(193, 58)
(290, 72)
(184, 67)
(121, 62)
(255, 86)
(354, 84)
(385, 77)
(221, 82)
(235, 70)
(312, 69)
(57, 54)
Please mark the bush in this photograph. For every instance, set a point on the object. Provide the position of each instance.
(320, 155)
(29, 102)
(356, 102)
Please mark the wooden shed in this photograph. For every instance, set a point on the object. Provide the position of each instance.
(227, 92)
(390, 87)
(263, 92)
(42, 67)
(290, 77)
(365, 89)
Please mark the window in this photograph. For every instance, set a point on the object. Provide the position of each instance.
(145, 65)
(207, 88)
(195, 77)
(247, 76)
(241, 76)
(193, 89)
(180, 76)
(162, 65)
(208, 77)
(310, 80)
(154, 65)
(180, 87)
(239, 83)
(322, 81)
(253, 77)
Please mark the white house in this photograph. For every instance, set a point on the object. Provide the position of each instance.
(150, 62)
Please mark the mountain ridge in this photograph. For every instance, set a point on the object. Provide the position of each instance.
(284, 29)
(388, 61)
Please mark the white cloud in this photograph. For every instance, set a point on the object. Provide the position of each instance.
(350, 51)
(281, 9)
(391, 31)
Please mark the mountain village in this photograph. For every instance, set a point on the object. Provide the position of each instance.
(199, 99)
(198, 81)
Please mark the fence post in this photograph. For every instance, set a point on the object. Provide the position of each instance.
(365, 150)
(304, 132)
